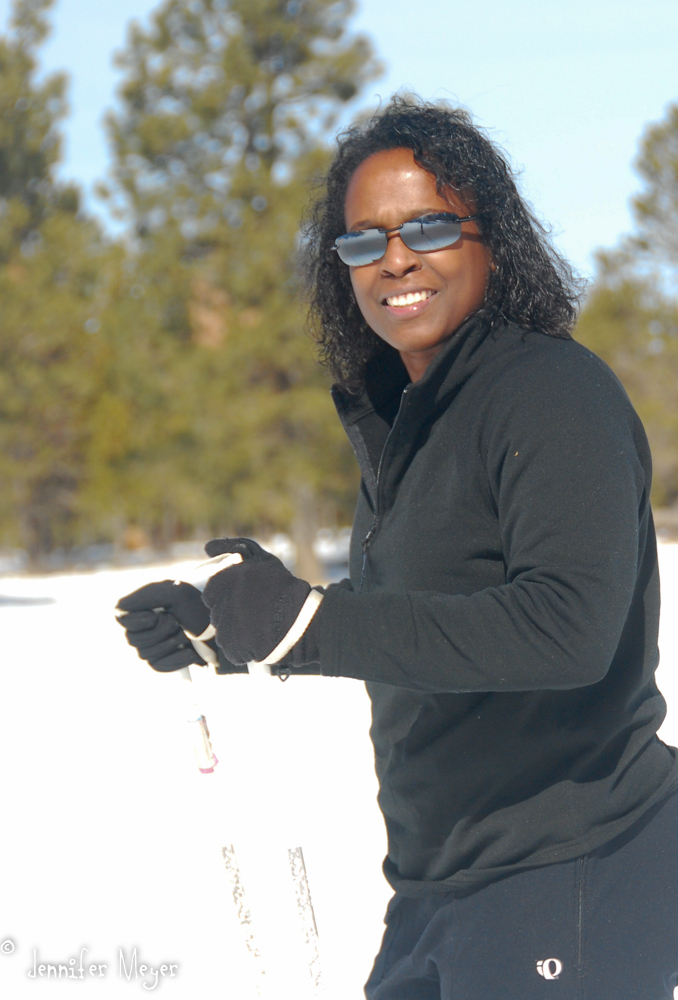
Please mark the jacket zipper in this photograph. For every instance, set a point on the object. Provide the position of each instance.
(367, 540)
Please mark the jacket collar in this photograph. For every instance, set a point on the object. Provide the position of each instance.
(367, 416)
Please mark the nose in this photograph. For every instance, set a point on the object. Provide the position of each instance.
(398, 259)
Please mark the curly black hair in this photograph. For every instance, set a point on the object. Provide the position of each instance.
(532, 286)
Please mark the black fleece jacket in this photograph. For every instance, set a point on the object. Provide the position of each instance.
(503, 607)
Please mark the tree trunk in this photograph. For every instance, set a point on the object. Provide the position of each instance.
(304, 531)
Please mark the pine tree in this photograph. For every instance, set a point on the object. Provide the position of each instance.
(226, 109)
(656, 207)
(50, 271)
(629, 323)
(631, 316)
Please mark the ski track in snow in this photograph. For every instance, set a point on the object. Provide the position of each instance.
(112, 840)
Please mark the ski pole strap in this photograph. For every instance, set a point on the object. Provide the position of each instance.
(303, 620)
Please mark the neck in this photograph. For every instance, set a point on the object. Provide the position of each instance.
(416, 362)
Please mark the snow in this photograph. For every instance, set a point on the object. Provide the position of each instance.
(112, 839)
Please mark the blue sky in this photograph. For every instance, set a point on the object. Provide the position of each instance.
(566, 88)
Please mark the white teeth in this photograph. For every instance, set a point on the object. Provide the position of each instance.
(409, 299)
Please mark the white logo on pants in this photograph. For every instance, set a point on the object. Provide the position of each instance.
(549, 968)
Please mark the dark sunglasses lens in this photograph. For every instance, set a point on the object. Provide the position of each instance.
(358, 249)
(431, 235)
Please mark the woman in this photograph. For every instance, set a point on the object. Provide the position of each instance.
(503, 597)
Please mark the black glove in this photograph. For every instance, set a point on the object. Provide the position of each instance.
(158, 635)
(254, 604)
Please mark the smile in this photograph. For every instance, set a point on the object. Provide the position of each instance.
(409, 299)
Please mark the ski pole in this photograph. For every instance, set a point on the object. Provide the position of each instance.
(244, 916)
(199, 579)
(306, 913)
(206, 759)
(200, 735)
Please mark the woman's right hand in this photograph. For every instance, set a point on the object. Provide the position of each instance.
(154, 618)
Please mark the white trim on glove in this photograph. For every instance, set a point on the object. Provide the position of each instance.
(303, 620)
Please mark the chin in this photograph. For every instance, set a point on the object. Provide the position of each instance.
(419, 343)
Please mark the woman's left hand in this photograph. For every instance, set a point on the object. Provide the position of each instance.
(254, 605)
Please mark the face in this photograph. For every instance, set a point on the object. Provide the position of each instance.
(387, 189)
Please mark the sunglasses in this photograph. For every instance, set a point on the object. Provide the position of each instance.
(430, 232)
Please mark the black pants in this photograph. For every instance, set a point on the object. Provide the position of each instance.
(601, 927)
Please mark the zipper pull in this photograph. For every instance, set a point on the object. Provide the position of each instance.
(366, 544)
(368, 537)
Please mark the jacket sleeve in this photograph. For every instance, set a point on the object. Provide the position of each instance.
(568, 468)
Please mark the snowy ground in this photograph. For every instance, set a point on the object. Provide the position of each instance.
(112, 840)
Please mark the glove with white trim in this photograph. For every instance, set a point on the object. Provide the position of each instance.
(159, 621)
(260, 611)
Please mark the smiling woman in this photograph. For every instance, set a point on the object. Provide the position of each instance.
(503, 600)
(503, 572)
